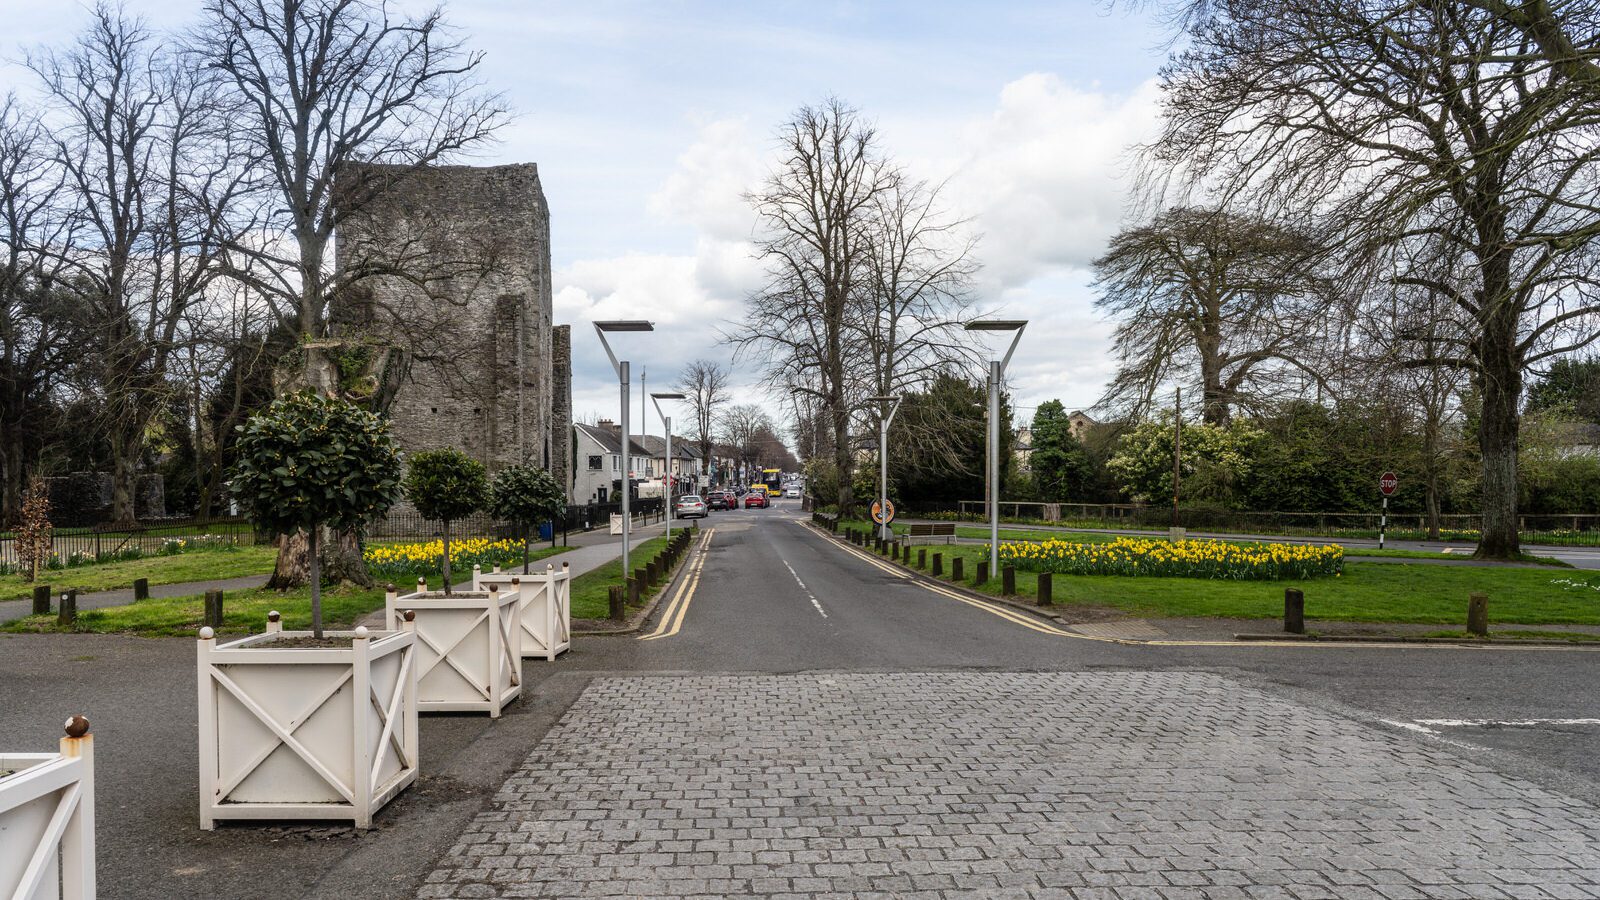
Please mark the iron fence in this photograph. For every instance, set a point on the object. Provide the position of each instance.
(112, 540)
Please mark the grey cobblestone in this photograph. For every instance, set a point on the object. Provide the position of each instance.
(1128, 785)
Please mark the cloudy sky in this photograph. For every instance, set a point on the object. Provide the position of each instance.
(649, 119)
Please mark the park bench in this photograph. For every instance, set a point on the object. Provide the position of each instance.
(929, 531)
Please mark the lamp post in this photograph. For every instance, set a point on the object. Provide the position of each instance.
(600, 328)
(997, 371)
(884, 530)
(666, 424)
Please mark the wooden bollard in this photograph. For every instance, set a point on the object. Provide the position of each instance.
(922, 557)
(214, 608)
(634, 592)
(1045, 598)
(1478, 615)
(642, 577)
(614, 600)
(938, 565)
(958, 568)
(141, 589)
(41, 600)
(652, 571)
(980, 574)
(1294, 611)
(1008, 581)
(69, 608)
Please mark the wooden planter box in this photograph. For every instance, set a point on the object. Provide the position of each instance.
(546, 601)
(306, 733)
(468, 647)
(47, 821)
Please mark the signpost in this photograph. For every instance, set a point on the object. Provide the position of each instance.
(1387, 483)
(883, 512)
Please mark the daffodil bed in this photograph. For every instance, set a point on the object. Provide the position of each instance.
(1176, 559)
(396, 561)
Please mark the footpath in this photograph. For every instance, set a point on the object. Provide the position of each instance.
(588, 551)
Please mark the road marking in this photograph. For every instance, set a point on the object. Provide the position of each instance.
(803, 587)
(1431, 726)
(672, 619)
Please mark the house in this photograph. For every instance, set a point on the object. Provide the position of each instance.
(1080, 424)
(685, 460)
(597, 462)
(1022, 448)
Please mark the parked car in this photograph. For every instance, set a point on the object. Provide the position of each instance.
(719, 500)
(756, 498)
(689, 506)
(792, 492)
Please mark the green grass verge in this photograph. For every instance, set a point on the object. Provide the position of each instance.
(591, 597)
(195, 565)
(1097, 537)
(1367, 592)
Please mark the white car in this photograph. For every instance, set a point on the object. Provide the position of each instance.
(792, 492)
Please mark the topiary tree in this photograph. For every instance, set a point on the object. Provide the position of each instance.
(526, 496)
(446, 484)
(308, 463)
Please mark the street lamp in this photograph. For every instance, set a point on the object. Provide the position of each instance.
(666, 424)
(884, 530)
(997, 371)
(600, 328)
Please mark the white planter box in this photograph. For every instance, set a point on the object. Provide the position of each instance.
(47, 821)
(306, 733)
(468, 647)
(546, 600)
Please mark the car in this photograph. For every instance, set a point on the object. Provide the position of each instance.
(719, 500)
(756, 498)
(792, 492)
(689, 506)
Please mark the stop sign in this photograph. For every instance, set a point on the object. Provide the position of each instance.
(1388, 483)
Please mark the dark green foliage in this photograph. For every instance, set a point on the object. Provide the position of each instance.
(1062, 469)
(1571, 386)
(526, 496)
(446, 484)
(308, 461)
(938, 444)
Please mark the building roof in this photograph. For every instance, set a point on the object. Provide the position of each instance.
(654, 446)
(610, 441)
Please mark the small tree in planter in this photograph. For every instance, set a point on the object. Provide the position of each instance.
(446, 484)
(308, 463)
(526, 496)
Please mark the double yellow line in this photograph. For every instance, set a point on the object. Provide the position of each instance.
(672, 619)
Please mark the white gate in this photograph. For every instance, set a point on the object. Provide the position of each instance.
(47, 820)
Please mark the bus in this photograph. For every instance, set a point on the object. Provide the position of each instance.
(773, 479)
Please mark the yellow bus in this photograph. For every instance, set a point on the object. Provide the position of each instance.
(773, 479)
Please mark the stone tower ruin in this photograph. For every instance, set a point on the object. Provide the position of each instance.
(488, 372)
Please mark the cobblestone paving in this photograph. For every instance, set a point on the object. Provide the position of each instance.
(1130, 785)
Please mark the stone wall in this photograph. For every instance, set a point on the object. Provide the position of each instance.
(472, 312)
(561, 451)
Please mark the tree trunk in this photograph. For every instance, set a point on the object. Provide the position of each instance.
(339, 559)
(124, 466)
(447, 557)
(1498, 431)
(293, 568)
(316, 585)
(11, 480)
(1432, 502)
(843, 459)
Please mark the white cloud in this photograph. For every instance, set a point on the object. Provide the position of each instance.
(707, 188)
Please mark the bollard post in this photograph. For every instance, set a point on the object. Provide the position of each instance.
(938, 564)
(652, 571)
(1294, 611)
(1008, 581)
(214, 608)
(614, 599)
(1478, 615)
(274, 622)
(69, 608)
(958, 568)
(980, 574)
(141, 589)
(1044, 589)
(633, 592)
(642, 577)
(922, 557)
(41, 600)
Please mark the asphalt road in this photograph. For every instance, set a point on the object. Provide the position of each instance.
(773, 596)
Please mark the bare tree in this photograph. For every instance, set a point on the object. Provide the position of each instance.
(149, 171)
(813, 240)
(706, 385)
(34, 349)
(744, 428)
(1441, 150)
(1222, 302)
(343, 100)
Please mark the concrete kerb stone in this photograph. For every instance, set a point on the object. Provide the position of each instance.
(671, 571)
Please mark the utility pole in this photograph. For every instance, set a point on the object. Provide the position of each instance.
(1177, 452)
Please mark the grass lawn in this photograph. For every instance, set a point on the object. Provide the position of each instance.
(1096, 537)
(591, 597)
(1367, 592)
(195, 565)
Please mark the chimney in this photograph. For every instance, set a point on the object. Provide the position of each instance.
(608, 425)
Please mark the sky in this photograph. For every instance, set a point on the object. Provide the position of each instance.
(649, 120)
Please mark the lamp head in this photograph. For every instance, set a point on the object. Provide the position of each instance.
(668, 396)
(996, 324)
(885, 399)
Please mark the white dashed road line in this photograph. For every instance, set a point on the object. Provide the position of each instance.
(813, 597)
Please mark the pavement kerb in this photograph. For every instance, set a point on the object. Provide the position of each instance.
(1240, 641)
(637, 621)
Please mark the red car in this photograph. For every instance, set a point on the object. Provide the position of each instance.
(756, 498)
